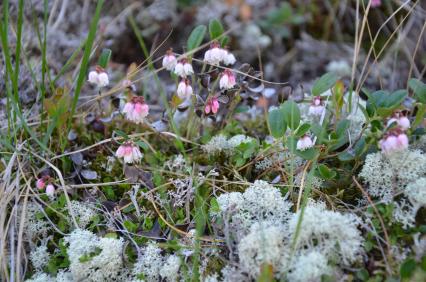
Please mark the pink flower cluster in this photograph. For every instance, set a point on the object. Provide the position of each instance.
(45, 183)
(136, 110)
(212, 105)
(393, 141)
(400, 119)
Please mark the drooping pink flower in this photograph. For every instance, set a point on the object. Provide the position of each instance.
(41, 183)
(227, 81)
(169, 60)
(401, 120)
(212, 105)
(304, 143)
(184, 89)
(316, 108)
(129, 152)
(136, 109)
(395, 140)
(376, 3)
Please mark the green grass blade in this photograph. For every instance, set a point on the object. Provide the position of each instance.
(86, 56)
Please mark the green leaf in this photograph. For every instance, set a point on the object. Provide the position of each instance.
(266, 273)
(224, 40)
(121, 134)
(196, 37)
(325, 172)
(130, 226)
(407, 268)
(301, 130)
(104, 58)
(215, 29)
(291, 113)
(277, 123)
(355, 152)
(142, 144)
(324, 83)
(384, 102)
(419, 89)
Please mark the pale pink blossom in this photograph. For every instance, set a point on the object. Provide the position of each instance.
(41, 183)
(227, 81)
(229, 58)
(98, 77)
(401, 120)
(136, 110)
(304, 143)
(316, 108)
(394, 141)
(376, 3)
(212, 105)
(184, 89)
(169, 60)
(50, 190)
(183, 68)
(215, 54)
(129, 152)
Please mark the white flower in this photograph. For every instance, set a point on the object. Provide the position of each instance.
(304, 143)
(93, 77)
(215, 54)
(183, 68)
(169, 60)
(103, 79)
(227, 81)
(184, 89)
(229, 58)
(129, 152)
(50, 190)
(98, 77)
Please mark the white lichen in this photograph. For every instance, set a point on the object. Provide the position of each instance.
(170, 269)
(387, 175)
(263, 245)
(259, 203)
(93, 258)
(309, 267)
(333, 234)
(149, 263)
(39, 257)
